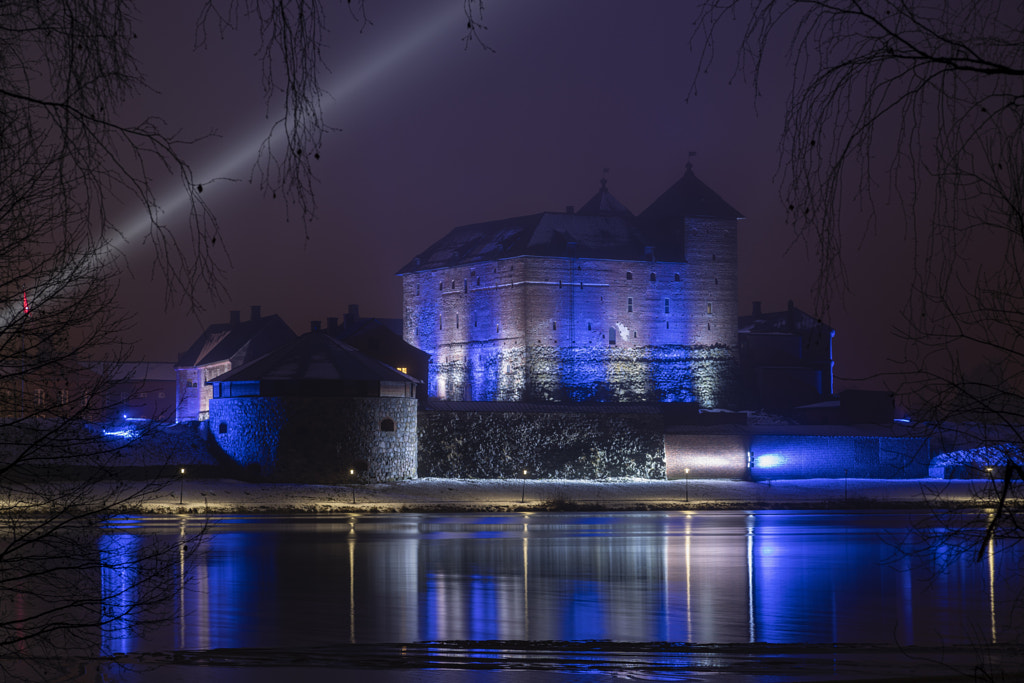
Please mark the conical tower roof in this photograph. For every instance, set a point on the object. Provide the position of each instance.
(604, 204)
(690, 198)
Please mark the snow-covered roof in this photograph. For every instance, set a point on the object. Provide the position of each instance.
(315, 356)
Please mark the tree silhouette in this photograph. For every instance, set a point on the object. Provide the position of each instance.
(910, 117)
(70, 158)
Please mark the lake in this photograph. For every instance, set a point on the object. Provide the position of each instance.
(544, 595)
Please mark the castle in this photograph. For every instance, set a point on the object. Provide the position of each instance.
(595, 304)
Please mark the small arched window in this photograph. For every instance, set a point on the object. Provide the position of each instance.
(387, 425)
(629, 275)
(223, 428)
(677, 277)
(654, 278)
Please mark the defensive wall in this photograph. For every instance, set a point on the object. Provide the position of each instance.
(500, 440)
(535, 329)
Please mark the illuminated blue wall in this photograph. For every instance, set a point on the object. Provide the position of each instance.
(524, 329)
(809, 457)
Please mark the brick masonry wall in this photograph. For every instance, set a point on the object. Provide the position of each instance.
(318, 440)
(488, 445)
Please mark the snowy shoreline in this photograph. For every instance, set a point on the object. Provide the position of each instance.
(227, 496)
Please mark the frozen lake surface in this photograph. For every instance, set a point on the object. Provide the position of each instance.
(752, 596)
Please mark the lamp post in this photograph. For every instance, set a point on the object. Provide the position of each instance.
(352, 473)
(181, 489)
(687, 471)
(523, 499)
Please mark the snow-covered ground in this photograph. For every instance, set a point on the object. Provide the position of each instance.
(225, 495)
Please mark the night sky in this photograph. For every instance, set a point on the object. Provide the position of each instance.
(433, 136)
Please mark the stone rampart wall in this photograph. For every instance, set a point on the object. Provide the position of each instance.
(485, 445)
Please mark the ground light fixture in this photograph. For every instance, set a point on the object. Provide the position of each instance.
(181, 489)
(352, 473)
(523, 499)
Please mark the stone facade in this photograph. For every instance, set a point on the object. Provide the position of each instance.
(469, 444)
(638, 308)
(319, 439)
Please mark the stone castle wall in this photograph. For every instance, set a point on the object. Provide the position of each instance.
(540, 328)
(319, 440)
(497, 444)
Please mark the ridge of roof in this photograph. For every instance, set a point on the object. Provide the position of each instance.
(222, 341)
(315, 356)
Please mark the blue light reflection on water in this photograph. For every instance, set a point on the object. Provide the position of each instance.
(709, 577)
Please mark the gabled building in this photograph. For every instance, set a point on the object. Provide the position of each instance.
(786, 359)
(590, 305)
(218, 349)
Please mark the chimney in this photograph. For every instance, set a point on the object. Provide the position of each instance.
(255, 312)
(332, 324)
(352, 317)
(236, 317)
(314, 325)
(757, 308)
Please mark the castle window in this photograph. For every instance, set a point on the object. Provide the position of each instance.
(716, 280)
(559, 284)
(709, 307)
(666, 324)
(440, 325)
(629, 305)
(677, 277)
(387, 425)
(666, 305)
(478, 282)
(223, 428)
(453, 284)
(417, 289)
(712, 257)
(611, 336)
(465, 285)
(629, 275)
(589, 328)
(581, 285)
(440, 286)
(554, 325)
(497, 328)
(456, 321)
(654, 278)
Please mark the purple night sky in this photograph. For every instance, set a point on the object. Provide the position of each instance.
(434, 136)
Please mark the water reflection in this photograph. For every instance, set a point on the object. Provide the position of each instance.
(709, 577)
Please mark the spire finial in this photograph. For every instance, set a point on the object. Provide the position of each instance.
(689, 164)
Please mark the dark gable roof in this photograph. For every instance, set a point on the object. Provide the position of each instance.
(790, 320)
(315, 356)
(602, 229)
(542, 234)
(239, 342)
